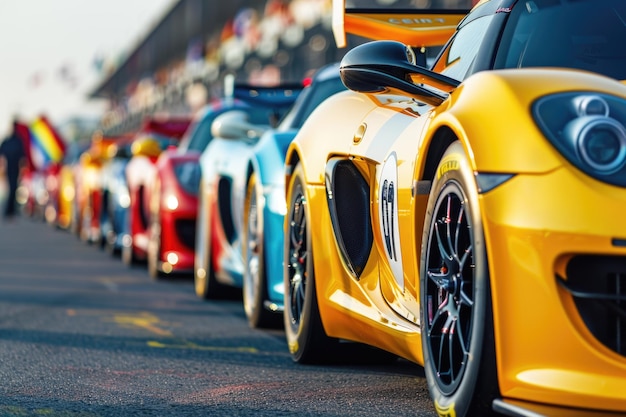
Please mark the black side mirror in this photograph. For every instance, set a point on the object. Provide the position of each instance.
(386, 66)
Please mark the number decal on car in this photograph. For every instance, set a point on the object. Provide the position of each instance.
(388, 213)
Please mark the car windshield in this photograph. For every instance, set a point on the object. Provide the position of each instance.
(201, 133)
(308, 100)
(201, 136)
(581, 34)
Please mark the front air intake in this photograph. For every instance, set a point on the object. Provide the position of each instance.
(598, 286)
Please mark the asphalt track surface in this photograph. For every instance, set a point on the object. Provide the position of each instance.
(81, 334)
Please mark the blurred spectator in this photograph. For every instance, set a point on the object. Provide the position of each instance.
(12, 156)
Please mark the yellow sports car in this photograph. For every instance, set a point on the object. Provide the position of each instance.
(469, 216)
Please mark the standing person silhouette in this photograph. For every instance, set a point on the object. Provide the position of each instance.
(13, 154)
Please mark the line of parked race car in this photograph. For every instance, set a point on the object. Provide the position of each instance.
(463, 214)
(142, 195)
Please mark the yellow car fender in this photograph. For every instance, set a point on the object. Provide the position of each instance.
(512, 143)
(342, 123)
(515, 145)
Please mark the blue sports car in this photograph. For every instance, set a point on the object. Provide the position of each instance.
(241, 231)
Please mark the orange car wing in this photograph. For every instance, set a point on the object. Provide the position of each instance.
(417, 28)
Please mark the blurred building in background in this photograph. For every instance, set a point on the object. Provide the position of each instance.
(182, 63)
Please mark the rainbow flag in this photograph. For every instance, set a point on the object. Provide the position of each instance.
(46, 145)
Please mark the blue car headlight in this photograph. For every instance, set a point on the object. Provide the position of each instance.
(589, 130)
(188, 176)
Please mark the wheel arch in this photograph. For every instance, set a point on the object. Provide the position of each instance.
(484, 366)
(291, 160)
(440, 141)
(434, 150)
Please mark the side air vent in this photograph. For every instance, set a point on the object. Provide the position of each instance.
(348, 198)
(224, 207)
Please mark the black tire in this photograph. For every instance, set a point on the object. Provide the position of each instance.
(205, 282)
(128, 252)
(255, 291)
(304, 331)
(105, 219)
(457, 324)
(154, 252)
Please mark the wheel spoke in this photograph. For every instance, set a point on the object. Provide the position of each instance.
(295, 301)
(465, 298)
(443, 360)
(458, 350)
(449, 284)
(457, 234)
(298, 225)
(458, 335)
(297, 258)
(451, 356)
(439, 278)
(300, 294)
(448, 222)
(440, 242)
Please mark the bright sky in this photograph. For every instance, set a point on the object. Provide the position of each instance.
(48, 49)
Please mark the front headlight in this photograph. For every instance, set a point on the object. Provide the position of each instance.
(589, 130)
(600, 142)
(188, 176)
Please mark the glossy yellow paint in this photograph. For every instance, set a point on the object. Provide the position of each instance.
(354, 309)
(420, 29)
(67, 194)
(533, 224)
(469, 113)
(146, 146)
(345, 124)
(544, 351)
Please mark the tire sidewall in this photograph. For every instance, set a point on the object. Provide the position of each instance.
(128, 250)
(298, 334)
(202, 250)
(454, 168)
(253, 305)
(154, 250)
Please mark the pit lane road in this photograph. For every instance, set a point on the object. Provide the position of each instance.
(81, 334)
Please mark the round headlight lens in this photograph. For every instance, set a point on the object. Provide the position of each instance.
(588, 129)
(600, 143)
(601, 146)
(591, 105)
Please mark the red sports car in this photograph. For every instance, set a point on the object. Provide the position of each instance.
(141, 176)
(174, 204)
